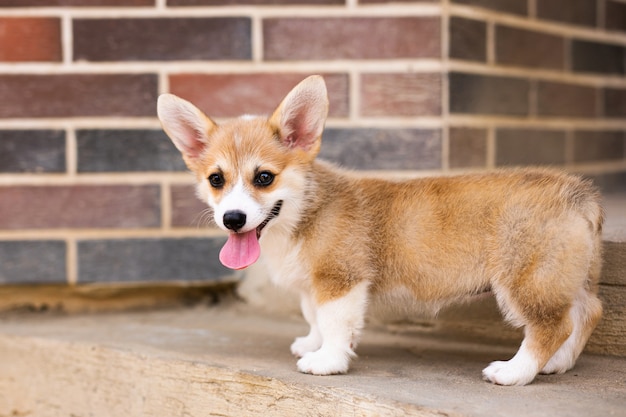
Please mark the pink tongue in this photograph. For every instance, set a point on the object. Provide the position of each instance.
(241, 250)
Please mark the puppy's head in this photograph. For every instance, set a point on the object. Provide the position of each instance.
(250, 170)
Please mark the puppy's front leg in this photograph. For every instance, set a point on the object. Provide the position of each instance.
(312, 341)
(340, 322)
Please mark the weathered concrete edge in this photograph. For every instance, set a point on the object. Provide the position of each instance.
(91, 379)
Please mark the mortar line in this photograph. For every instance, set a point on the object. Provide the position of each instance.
(445, 86)
(491, 43)
(378, 122)
(163, 82)
(67, 39)
(71, 152)
(71, 261)
(74, 235)
(166, 205)
(569, 148)
(491, 147)
(373, 10)
(257, 39)
(354, 95)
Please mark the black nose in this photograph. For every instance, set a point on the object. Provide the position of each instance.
(234, 220)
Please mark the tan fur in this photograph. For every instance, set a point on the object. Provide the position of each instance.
(531, 236)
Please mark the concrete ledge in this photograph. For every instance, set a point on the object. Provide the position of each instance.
(230, 360)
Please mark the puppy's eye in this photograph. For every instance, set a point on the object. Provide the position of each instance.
(263, 179)
(216, 180)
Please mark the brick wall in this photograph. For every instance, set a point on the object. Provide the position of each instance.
(92, 191)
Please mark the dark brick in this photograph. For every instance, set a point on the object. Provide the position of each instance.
(468, 39)
(79, 206)
(401, 94)
(508, 6)
(530, 147)
(32, 151)
(351, 38)
(151, 260)
(32, 262)
(75, 3)
(615, 102)
(598, 57)
(188, 210)
(387, 149)
(30, 39)
(252, 2)
(468, 147)
(575, 12)
(615, 16)
(558, 99)
(525, 48)
(599, 145)
(127, 150)
(162, 39)
(482, 94)
(76, 95)
(229, 95)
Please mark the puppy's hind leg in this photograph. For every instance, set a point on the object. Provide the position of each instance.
(340, 322)
(585, 314)
(547, 326)
(312, 341)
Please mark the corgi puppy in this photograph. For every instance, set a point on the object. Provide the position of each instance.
(531, 237)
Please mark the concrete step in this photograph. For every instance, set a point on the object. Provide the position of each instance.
(230, 360)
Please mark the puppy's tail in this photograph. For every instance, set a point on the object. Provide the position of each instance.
(587, 200)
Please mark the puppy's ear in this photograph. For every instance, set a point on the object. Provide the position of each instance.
(186, 126)
(301, 115)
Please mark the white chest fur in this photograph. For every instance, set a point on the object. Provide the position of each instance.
(282, 256)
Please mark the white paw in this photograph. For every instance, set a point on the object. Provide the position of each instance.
(303, 345)
(325, 362)
(559, 364)
(509, 373)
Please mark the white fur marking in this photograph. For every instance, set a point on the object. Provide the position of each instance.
(520, 370)
(239, 199)
(312, 341)
(340, 322)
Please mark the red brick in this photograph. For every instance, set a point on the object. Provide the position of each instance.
(400, 94)
(97, 206)
(77, 3)
(76, 95)
(351, 38)
(30, 39)
(616, 16)
(576, 12)
(526, 48)
(468, 147)
(615, 102)
(188, 210)
(483, 94)
(468, 39)
(603, 145)
(229, 95)
(558, 99)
